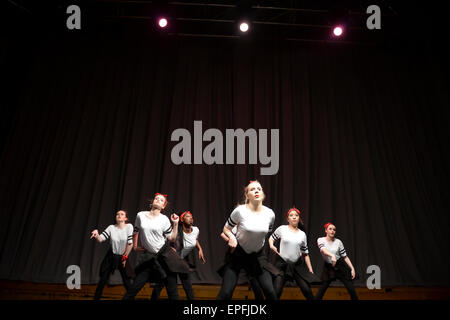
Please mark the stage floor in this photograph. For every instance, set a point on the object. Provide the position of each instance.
(17, 290)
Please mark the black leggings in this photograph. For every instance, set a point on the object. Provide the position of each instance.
(279, 282)
(230, 278)
(257, 291)
(144, 276)
(347, 283)
(109, 264)
(185, 281)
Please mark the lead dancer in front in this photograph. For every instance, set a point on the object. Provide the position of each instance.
(254, 221)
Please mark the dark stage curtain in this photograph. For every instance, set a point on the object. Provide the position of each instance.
(363, 143)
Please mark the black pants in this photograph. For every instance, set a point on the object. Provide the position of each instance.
(230, 278)
(145, 276)
(109, 264)
(186, 283)
(347, 283)
(280, 281)
(256, 288)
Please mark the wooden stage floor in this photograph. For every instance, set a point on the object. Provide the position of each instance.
(17, 290)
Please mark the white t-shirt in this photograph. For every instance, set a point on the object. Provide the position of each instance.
(252, 227)
(152, 231)
(189, 241)
(118, 237)
(335, 247)
(292, 244)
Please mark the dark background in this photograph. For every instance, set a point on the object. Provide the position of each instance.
(86, 120)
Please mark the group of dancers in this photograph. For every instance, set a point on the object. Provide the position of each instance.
(167, 253)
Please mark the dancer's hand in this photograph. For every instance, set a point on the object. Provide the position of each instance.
(174, 217)
(274, 249)
(353, 274)
(124, 260)
(201, 256)
(333, 260)
(224, 237)
(232, 243)
(94, 234)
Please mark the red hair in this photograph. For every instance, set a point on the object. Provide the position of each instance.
(293, 209)
(166, 203)
(327, 225)
(160, 194)
(186, 212)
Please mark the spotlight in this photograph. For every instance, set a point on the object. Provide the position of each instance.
(162, 22)
(338, 31)
(243, 26)
(244, 16)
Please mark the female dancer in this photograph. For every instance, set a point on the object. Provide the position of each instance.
(159, 262)
(186, 241)
(253, 221)
(337, 265)
(293, 256)
(257, 291)
(120, 236)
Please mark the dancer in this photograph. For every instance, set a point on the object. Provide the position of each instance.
(257, 291)
(337, 265)
(188, 239)
(185, 243)
(253, 221)
(158, 262)
(293, 259)
(120, 236)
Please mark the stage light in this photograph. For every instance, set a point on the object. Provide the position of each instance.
(162, 22)
(243, 26)
(338, 31)
(244, 16)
